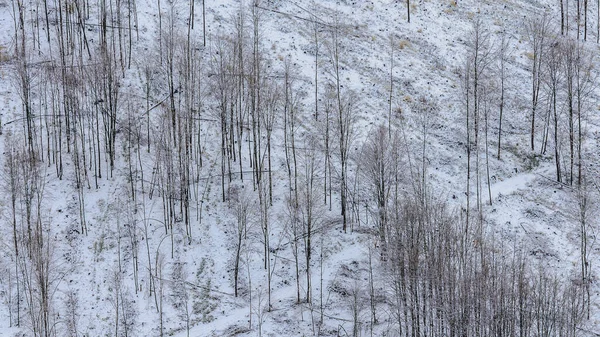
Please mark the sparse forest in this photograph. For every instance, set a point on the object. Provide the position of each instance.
(299, 168)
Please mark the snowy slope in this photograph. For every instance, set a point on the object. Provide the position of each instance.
(528, 207)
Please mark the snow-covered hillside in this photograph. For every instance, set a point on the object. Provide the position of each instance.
(299, 168)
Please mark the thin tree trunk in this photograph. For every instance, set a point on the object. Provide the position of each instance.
(556, 145)
(562, 18)
(585, 17)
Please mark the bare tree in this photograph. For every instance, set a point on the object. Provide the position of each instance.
(345, 105)
(265, 225)
(585, 19)
(356, 306)
(13, 179)
(180, 294)
(72, 307)
(39, 270)
(426, 109)
(503, 54)
(294, 229)
(311, 213)
(562, 17)
(585, 78)
(476, 91)
(554, 77)
(242, 206)
(579, 79)
(222, 89)
(290, 121)
(586, 230)
(570, 59)
(271, 102)
(378, 156)
(538, 29)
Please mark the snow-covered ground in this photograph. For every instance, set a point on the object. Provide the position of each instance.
(527, 207)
